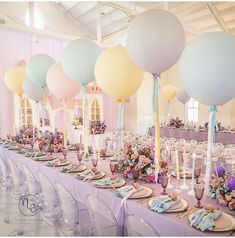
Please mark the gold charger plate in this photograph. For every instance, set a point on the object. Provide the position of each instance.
(62, 163)
(45, 158)
(178, 207)
(79, 169)
(119, 184)
(99, 175)
(143, 193)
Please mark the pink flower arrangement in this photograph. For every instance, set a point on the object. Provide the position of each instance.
(138, 163)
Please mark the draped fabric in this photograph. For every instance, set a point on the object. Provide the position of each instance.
(16, 46)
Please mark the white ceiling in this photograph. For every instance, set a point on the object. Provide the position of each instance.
(112, 18)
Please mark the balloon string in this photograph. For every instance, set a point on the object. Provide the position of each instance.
(155, 92)
(211, 141)
(20, 112)
(65, 125)
(43, 110)
(84, 111)
(121, 116)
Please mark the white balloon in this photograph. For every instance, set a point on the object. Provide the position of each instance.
(155, 40)
(207, 68)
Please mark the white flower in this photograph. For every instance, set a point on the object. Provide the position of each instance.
(149, 171)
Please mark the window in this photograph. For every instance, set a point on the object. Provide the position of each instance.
(192, 110)
(39, 22)
(95, 111)
(26, 113)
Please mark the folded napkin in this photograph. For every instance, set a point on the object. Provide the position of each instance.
(162, 204)
(85, 174)
(69, 168)
(121, 192)
(204, 219)
(106, 182)
(53, 162)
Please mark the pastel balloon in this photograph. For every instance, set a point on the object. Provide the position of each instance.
(55, 102)
(78, 60)
(155, 40)
(116, 74)
(37, 68)
(182, 96)
(207, 68)
(32, 91)
(14, 78)
(169, 92)
(59, 84)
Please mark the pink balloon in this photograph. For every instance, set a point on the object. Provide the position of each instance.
(55, 102)
(59, 84)
(70, 103)
(182, 96)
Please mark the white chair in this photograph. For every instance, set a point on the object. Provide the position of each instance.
(69, 223)
(50, 203)
(102, 218)
(135, 226)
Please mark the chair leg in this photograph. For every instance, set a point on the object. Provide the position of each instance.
(21, 222)
(7, 207)
(37, 224)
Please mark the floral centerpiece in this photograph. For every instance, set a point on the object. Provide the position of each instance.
(97, 127)
(222, 188)
(141, 160)
(46, 122)
(176, 123)
(25, 135)
(77, 121)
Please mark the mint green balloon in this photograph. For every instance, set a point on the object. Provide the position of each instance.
(78, 60)
(37, 68)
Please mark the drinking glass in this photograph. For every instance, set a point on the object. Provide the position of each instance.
(79, 156)
(164, 182)
(135, 174)
(112, 166)
(199, 190)
(197, 173)
(103, 153)
(94, 161)
(65, 152)
(78, 147)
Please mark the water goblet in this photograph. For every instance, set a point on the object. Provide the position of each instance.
(103, 153)
(197, 173)
(164, 182)
(94, 161)
(79, 157)
(65, 152)
(78, 147)
(112, 166)
(135, 174)
(199, 190)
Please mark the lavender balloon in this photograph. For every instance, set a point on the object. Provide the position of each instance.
(219, 171)
(182, 96)
(231, 184)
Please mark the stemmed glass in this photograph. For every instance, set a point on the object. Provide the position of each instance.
(65, 152)
(79, 156)
(40, 146)
(197, 173)
(103, 153)
(78, 147)
(94, 161)
(135, 174)
(164, 182)
(112, 166)
(51, 149)
(170, 167)
(199, 190)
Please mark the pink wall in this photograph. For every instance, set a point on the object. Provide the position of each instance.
(15, 46)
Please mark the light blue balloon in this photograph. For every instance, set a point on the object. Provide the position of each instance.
(78, 60)
(37, 68)
(207, 68)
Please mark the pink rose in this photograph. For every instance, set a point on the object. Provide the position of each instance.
(134, 155)
(147, 161)
(142, 158)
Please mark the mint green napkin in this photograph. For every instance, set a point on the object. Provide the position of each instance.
(162, 204)
(106, 182)
(121, 192)
(204, 219)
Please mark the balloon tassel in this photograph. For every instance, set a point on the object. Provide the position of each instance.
(210, 148)
(65, 125)
(84, 110)
(155, 91)
(120, 124)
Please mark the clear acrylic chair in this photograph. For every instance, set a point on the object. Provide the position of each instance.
(50, 203)
(69, 223)
(136, 226)
(103, 221)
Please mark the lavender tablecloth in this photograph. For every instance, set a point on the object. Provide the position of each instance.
(164, 224)
(178, 133)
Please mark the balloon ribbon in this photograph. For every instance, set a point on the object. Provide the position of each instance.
(84, 111)
(211, 140)
(157, 125)
(65, 125)
(120, 124)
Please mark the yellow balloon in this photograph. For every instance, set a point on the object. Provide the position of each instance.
(116, 74)
(14, 78)
(169, 91)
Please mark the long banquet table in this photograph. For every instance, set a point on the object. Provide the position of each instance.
(165, 224)
(178, 133)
